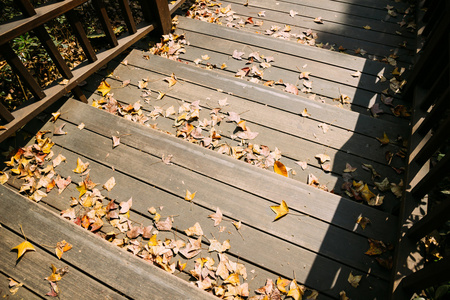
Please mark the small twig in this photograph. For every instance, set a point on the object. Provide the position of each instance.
(23, 233)
(21, 86)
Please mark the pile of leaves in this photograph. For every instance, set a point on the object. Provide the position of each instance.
(36, 165)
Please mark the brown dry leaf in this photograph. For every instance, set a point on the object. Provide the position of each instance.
(81, 167)
(318, 20)
(281, 210)
(59, 130)
(313, 296)
(233, 279)
(58, 160)
(363, 221)
(326, 167)
(189, 196)
(57, 274)
(349, 168)
(343, 295)
(109, 184)
(125, 206)
(152, 210)
(323, 158)
(280, 169)
(354, 280)
(14, 286)
(22, 248)
(397, 189)
(3, 177)
(194, 230)
(237, 224)
(38, 195)
(375, 247)
(293, 13)
(290, 88)
(217, 217)
(104, 88)
(172, 80)
(384, 185)
(116, 141)
(167, 159)
(215, 245)
(62, 247)
(164, 225)
(384, 140)
(237, 54)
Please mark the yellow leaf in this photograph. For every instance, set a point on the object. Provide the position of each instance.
(104, 88)
(181, 266)
(3, 177)
(363, 221)
(384, 140)
(296, 291)
(189, 196)
(23, 247)
(367, 27)
(54, 276)
(62, 247)
(279, 168)
(82, 189)
(354, 280)
(366, 193)
(160, 95)
(281, 210)
(172, 80)
(282, 284)
(81, 167)
(232, 279)
(109, 184)
(55, 116)
(153, 241)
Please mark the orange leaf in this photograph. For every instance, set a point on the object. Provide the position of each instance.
(62, 247)
(279, 168)
(281, 210)
(22, 248)
(189, 196)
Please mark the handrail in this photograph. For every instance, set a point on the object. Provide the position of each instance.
(157, 14)
(429, 133)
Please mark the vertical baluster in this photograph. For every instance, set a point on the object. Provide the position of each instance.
(80, 34)
(157, 11)
(17, 66)
(128, 16)
(40, 31)
(5, 114)
(106, 23)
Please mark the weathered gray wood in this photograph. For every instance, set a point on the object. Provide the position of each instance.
(22, 293)
(34, 266)
(232, 172)
(295, 138)
(98, 258)
(339, 13)
(211, 194)
(358, 33)
(266, 96)
(278, 45)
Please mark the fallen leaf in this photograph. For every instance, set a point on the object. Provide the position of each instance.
(397, 189)
(384, 185)
(55, 116)
(290, 88)
(293, 13)
(282, 284)
(172, 80)
(205, 57)
(343, 296)
(237, 224)
(318, 20)
(164, 225)
(280, 169)
(81, 167)
(325, 127)
(167, 159)
(59, 130)
(296, 291)
(367, 27)
(376, 247)
(366, 193)
(189, 196)
(356, 74)
(14, 286)
(109, 184)
(281, 210)
(349, 168)
(125, 206)
(194, 230)
(323, 158)
(3, 177)
(160, 95)
(305, 113)
(62, 247)
(313, 296)
(217, 217)
(81, 126)
(22, 248)
(354, 280)
(302, 164)
(363, 221)
(104, 88)
(238, 55)
(58, 160)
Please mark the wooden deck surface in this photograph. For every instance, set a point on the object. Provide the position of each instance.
(318, 243)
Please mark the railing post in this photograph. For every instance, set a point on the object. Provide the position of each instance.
(157, 11)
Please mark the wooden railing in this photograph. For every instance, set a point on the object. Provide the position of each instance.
(157, 15)
(429, 89)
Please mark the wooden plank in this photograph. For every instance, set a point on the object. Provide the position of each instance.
(306, 20)
(225, 198)
(22, 293)
(293, 135)
(35, 266)
(174, 6)
(336, 13)
(434, 273)
(111, 265)
(81, 72)
(266, 96)
(303, 198)
(381, 4)
(43, 14)
(363, 92)
(325, 56)
(145, 195)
